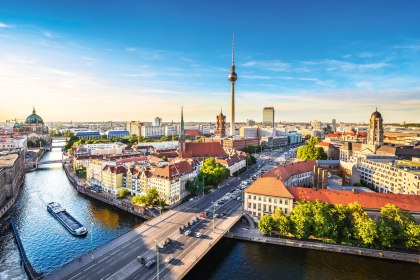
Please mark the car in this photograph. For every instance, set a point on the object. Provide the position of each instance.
(216, 215)
(160, 245)
(150, 263)
(169, 259)
(167, 241)
(238, 198)
(188, 232)
(198, 234)
(224, 214)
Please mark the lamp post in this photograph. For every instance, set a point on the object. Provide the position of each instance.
(214, 210)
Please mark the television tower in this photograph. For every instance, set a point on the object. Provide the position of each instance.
(232, 78)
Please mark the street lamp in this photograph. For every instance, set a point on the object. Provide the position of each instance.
(214, 210)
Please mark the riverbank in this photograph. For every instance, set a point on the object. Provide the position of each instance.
(255, 236)
(104, 197)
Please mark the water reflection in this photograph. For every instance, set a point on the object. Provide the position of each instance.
(47, 243)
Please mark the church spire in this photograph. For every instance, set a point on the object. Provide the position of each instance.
(182, 132)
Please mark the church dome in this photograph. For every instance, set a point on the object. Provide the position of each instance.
(34, 119)
(376, 115)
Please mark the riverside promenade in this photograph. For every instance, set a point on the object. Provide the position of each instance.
(254, 235)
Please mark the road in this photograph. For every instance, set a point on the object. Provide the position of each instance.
(120, 261)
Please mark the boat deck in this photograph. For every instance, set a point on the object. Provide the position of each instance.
(69, 220)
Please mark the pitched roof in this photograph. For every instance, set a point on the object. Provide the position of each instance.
(172, 171)
(231, 160)
(114, 169)
(269, 186)
(285, 172)
(368, 200)
(192, 132)
(208, 149)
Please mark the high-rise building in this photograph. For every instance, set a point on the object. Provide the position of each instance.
(250, 122)
(376, 130)
(134, 127)
(334, 125)
(232, 78)
(316, 125)
(157, 121)
(221, 125)
(268, 116)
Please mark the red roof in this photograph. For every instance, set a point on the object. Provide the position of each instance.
(192, 132)
(268, 186)
(324, 144)
(368, 200)
(209, 149)
(285, 172)
(172, 171)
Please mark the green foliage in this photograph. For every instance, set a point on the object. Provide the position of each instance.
(151, 198)
(251, 149)
(396, 219)
(139, 200)
(365, 231)
(266, 224)
(214, 173)
(412, 233)
(302, 220)
(81, 172)
(322, 219)
(165, 158)
(36, 143)
(341, 223)
(282, 222)
(122, 193)
(310, 151)
(385, 233)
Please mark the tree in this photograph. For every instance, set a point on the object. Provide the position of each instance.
(412, 233)
(122, 193)
(165, 158)
(365, 229)
(152, 197)
(341, 223)
(214, 173)
(310, 151)
(322, 219)
(385, 233)
(301, 219)
(266, 224)
(139, 200)
(281, 221)
(396, 220)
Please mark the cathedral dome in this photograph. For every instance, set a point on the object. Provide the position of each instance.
(34, 119)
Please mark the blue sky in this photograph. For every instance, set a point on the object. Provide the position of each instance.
(134, 60)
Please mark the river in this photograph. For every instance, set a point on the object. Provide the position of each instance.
(49, 246)
(47, 243)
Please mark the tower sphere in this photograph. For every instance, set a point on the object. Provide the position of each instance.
(232, 76)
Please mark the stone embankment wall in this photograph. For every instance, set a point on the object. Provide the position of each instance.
(383, 254)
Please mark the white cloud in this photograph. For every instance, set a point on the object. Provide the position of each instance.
(4, 25)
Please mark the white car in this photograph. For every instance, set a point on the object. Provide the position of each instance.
(169, 259)
(188, 232)
(198, 234)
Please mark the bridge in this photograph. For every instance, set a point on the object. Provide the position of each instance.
(118, 259)
(49, 161)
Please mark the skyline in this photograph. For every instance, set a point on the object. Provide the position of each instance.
(138, 61)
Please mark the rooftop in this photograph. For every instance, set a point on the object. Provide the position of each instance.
(8, 160)
(368, 200)
(269, 186)
(285, 172)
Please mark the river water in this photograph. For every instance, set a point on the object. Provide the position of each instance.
(47, 243)
(49, 246)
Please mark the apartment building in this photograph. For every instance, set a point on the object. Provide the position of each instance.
(265, 195)
(390, 176)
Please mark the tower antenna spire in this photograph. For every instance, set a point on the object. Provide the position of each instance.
(233, 48)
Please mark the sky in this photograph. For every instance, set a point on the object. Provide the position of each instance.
(136, 60)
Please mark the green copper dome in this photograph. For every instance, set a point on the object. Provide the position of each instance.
(34, 119)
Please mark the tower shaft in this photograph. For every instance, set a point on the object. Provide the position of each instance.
(232, 109)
